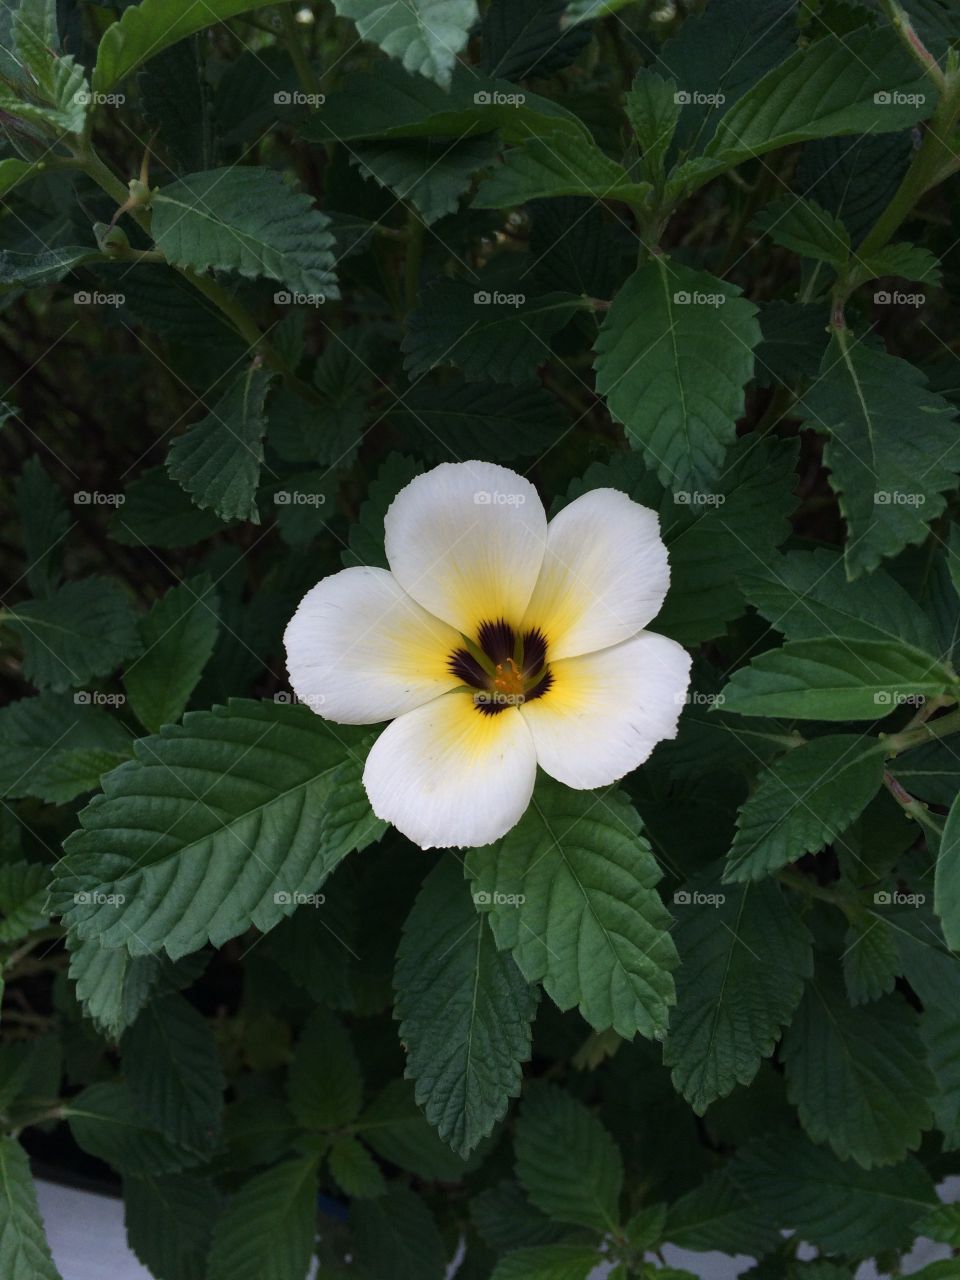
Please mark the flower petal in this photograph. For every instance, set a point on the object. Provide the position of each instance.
(605, 574)
(466, 540)
(359, 650)
(448, 775)
(606, 711)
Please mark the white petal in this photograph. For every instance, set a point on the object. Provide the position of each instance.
(606, 711)
(466, 540)
(359, 650)
(605, 574)
(448, 775)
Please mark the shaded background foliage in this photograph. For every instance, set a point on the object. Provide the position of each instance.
(702, 253)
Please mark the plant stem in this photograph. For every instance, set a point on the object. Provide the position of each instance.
(803, 884)
(912, 807)
(933, 730)
(293, 33)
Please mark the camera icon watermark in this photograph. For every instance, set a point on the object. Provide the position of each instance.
(94, 498)
(298, 498)
(94, 698)
(697, 498)
(92, 98)
(696, 98)
(497, 899)
(897, 98)
(96, 898)
(293, 898)
(495, 98)
(284, 697)
(296, 98)
(86, 298)
(898, 498)
(486, 498)
(894, 898)
(697, 898)
(292, 298)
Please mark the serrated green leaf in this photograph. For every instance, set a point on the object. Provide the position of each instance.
(907, 260)
(85, 629)
(157, 512)
(24, 1252)
(890, 481)
(673, 356)
(464, 1011)
(267, 1230)
(45, 522)
(325, 1086)
(430, 174)
(802, 802)
(830, 88)
(106, 1122)
(506, 1219)
(524, 38)
(355, 1171)
(247, 220)
(940, 1033)
(803, 226)
(653, 108)
(391, 103)
(488, 334)
(23, 898)
(548, 1262)
(55, 747)
(744, 961)
(871, 962)
(147, 28)
(571, 891)
(717, 1215)
(396, 1235)
(169, 1221)
(805, 594)
(394, 1126)
(835, 679)
(265, 830)
(477, 420)
(943, 1224)
(567, 1162)
(178, 635)
(47, 266)
(946, 893)
(172, 1068)
(854, 178)
(112, 986)
(562, 165)
(56, 80)
(425, 35)
(857, 1075)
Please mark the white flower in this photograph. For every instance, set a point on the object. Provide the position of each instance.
(496, 642)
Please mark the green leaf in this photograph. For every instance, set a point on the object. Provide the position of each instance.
(833, 1204)
(45, 522)
(246, 220)
(717, 1215)
(265, 830)
(568, 1164)
(390, 103)
(835, 679)
(794, 340)
(395, 1235)
(803, 226)
(931, 772)
(803, 801)
(548, 1262)
(943, 1224)
(112, 986)
(673, 355)
(23, 898)
(56, 80)
(828, 89)
(107, 1123)
(169, 1221)
(267, 1231)
(505, 1219)
(425, 35)
(156, 512)
(147, 28)
(805, 595)
(871, 962)
(946, 893)
(325, 1086)
(13, 172)
(563, 165)
(940, 1033)
(855, 179)
(366, 536)
(47, 266)
(430, 174)
(907, 260)
(464, 1010)
(56, 747)
(892, 448)
(857, 1075)
(85, 629)
(355, 1171)
(395, 1127)
(571, 890)
(653, 109)
(178, 635)
(218, 460)
(172, 1068)
(523, 38)
(489, 334)
(744, 960)
(478, 420)
(24, 1252)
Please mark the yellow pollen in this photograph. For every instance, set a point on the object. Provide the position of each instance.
(508, 678)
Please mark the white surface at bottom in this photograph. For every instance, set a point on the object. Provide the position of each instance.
(88, 1241)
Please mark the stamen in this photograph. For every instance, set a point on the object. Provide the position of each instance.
(504, 666)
